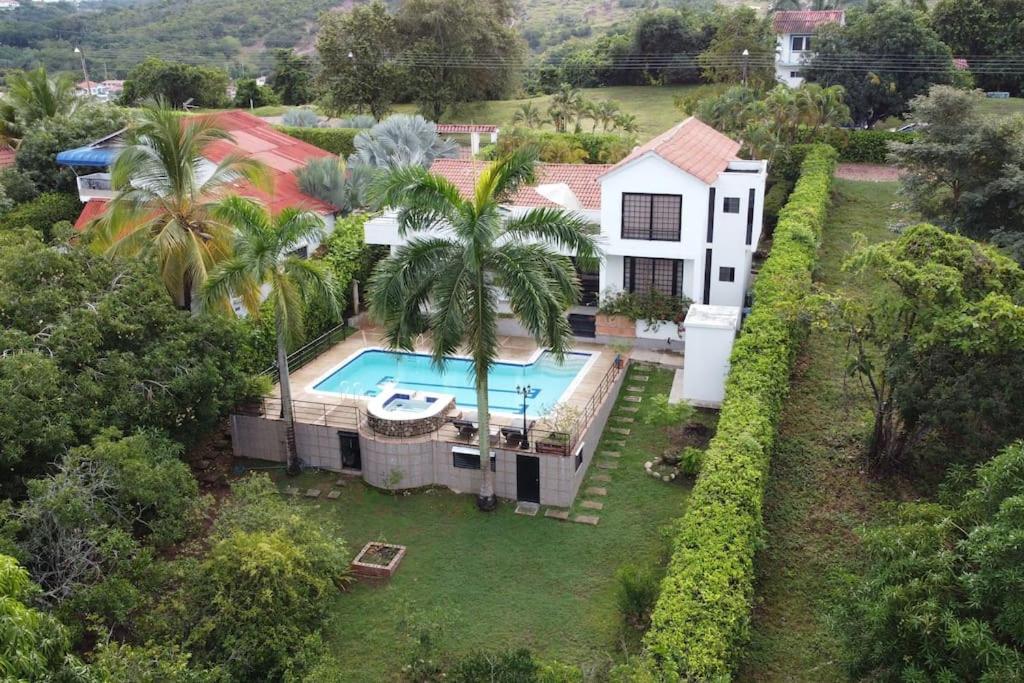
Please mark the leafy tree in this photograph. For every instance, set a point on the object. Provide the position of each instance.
(121, 663)
(667, 31)
(447, 284)
(42, 142)
(401, 140)
(292, 77)
(250, 94)
(169, 217)
(34, 96)
(175, 83)
(487, 50)
(737, 30)
(358, 69)
(40, 214)
(32, 643)
(941, 353)
(906, 50)
(264, 257)
(942, 595)
(983, 28)
(967, 172)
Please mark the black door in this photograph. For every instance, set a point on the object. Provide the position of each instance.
(350, 457)
(528, 478)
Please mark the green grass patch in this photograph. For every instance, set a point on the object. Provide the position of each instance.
(498, 581)
(817, 493)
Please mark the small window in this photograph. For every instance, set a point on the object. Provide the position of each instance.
(801, 43)
(468, 461)
(301, 252)
(726, 274)
(731, 204)
(794, 74)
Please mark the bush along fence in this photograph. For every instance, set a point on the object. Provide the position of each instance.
(338, 141)
(702, 616)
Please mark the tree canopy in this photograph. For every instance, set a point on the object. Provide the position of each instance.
(175, 83)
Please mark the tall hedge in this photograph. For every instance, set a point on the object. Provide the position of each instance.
(335, 140)
(702, 617)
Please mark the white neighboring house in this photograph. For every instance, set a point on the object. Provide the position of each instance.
(681, 215)
(795, 31)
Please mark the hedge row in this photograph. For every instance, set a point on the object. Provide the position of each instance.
(335, 140)
(862, 146)
(702, 616)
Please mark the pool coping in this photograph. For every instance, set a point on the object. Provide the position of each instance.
(592, 357)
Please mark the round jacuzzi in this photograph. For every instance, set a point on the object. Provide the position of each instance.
(398, 412)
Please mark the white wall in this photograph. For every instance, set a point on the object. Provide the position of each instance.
(729, 248)
(787, 61)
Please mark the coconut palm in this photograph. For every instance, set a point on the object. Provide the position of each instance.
(528, 114)
(565, 106)
(460, 253)
(605, 112)
(820, 106)
(263, 256)
(627, 123)
(165, 198)
(34, 96)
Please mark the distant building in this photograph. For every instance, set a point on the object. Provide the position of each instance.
(795, 31)
(9, 5)
(104, 91)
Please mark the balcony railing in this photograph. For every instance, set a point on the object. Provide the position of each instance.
(95, 186)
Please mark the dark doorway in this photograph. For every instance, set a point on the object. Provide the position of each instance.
(590, 285)
(528, 478)
(350, 457)
(582, 325)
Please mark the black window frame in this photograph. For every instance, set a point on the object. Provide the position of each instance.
(726, 274)
(678, 266)
(650, 217)
(751, 199)
(469, 461)
(805, 41)
(726, 203)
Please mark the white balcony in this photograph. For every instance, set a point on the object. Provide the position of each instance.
(95, 186)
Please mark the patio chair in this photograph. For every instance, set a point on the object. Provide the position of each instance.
(513, 436)
(467, 429)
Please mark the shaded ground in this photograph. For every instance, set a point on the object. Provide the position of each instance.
(878, 173)
(496, 581)
(818, 494)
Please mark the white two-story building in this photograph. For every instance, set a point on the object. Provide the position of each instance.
(680, 214)
(795, 31)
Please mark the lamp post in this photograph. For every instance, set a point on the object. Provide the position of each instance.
(85, 71)
(746, 60)
(525, 393)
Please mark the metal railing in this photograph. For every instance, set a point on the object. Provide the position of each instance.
(307, 352)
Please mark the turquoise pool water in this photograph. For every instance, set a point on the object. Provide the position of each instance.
(374, 369)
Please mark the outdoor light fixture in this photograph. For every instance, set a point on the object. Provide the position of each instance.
(525, 393)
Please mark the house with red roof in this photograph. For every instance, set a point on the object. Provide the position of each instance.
(680, 215)
(795, 31)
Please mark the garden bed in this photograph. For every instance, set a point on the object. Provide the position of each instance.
(378, 560)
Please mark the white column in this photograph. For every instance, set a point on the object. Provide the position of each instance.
(474, 143)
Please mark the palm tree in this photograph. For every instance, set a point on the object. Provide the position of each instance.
(264, 247)
(447, 283)
(335, 182)
(565, 104)
(166, 194)
(627, 123)
(35, 96)
(820, 106)
(605, 112)
(528, 114)
(400, 140)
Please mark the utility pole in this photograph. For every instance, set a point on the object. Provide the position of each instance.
(746, 61)
(85, 71)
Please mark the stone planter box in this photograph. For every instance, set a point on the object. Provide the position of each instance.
(367, 566)
(614, 326)
(551, 446)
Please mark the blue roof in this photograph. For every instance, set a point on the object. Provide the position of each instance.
(88, 156)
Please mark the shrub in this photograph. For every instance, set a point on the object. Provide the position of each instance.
(702, 615)
(774, 200)
(340, 141)
(636, 590)
(872, 146)
(301, 118)
(690, 461)
(42, 212)
(587, 148)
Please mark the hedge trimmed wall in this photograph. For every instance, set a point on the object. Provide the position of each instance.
(702, 616)
(872, 146)
(335, 140)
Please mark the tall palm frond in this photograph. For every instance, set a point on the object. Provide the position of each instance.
(401, 140)
(34, 96)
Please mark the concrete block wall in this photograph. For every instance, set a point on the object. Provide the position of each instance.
(257, 437)
(414, 460)
(318, 446)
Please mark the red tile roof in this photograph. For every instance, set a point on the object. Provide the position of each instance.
(282, 154)
(91, 211)
(6, 157)
(451, 128)
(805, 21)
(581, 179)
(692, 146)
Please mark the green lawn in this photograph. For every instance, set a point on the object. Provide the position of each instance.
(653, 106)
(1013, 105)
(498, 580)
(817, 494)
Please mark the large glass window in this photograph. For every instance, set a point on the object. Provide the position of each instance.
(651, 216)
(663, 275)
(801, 43)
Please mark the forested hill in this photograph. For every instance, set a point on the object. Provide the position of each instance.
(117, 35)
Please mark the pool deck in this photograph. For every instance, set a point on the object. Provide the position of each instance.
(516, 349)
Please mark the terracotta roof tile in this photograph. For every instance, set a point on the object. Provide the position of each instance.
(581, 179)
(692, 146)
(6, 157)
(806, 21)
(92, 210)
(451, 128)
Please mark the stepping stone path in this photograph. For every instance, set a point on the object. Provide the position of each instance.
(641, 378)
(619, 430)
(633, 399)
(591, 505)
(604, 478)
(608, 465)
(528, 509)
(596, 491)
(341, 482)
(586, 519)
(611, 454)
(312, 493)
(635, 390)
(629, 409)
(622, 418)
(334, 494)
(556, 514)
(291, 491)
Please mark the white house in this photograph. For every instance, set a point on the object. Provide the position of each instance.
(795, 31)
(680, 215)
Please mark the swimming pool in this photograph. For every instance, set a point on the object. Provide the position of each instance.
(373, 369)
